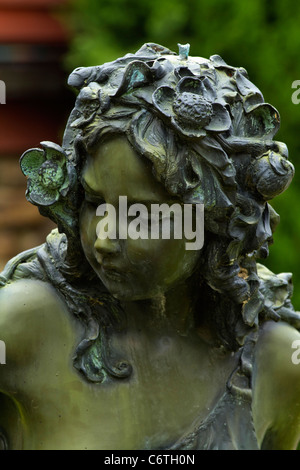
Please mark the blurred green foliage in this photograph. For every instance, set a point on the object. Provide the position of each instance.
(261, 36)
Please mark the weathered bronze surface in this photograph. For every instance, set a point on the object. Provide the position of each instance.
(140, 343)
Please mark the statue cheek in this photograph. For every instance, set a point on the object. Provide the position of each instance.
(87, 226)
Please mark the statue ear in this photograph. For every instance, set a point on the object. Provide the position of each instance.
(137, 73)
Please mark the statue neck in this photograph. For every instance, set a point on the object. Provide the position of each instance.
(171, 312)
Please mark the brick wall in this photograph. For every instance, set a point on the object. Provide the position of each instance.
(33, 41)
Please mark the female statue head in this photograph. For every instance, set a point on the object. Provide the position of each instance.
(128, 253)
(204, 134)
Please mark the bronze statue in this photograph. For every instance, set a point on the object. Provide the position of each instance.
(138, 343)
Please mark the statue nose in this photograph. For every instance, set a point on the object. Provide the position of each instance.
(107, 245)
(107, 232)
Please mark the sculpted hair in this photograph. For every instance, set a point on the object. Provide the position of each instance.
(209, 135)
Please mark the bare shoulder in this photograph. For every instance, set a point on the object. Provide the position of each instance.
(29, 310)
(276, 386)
(27, 298)
(276, 348)
(17, 291)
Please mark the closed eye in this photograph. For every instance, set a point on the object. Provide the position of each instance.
(90, 195)
(93, 199)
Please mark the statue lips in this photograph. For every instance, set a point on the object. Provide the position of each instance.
(111, 271)
(112, 274)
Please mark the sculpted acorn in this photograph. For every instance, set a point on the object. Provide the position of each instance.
(271, 174)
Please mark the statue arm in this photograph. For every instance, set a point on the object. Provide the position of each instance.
(32, 318)
(39, 334)
(20, 301)
(276, 388)
(14, 327)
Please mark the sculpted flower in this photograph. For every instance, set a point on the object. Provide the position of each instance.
(46, 172)
(192, 107)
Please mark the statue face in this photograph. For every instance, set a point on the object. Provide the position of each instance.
(131, 269)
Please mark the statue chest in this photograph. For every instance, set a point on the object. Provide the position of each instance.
(172, 384)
